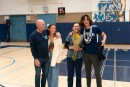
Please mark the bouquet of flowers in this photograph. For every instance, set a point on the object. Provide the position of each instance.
(76, 41)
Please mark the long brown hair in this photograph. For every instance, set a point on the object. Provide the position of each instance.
(51, 45)
(83, 18)
(50, 27)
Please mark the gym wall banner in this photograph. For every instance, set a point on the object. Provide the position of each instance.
(111, 11)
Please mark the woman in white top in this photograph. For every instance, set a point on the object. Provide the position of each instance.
(55, 52)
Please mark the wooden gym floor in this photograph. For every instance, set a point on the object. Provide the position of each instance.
(17, 67)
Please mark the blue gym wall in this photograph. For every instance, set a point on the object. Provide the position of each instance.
(18, 28)
(64, 29)
(117, 32)
(3, 32)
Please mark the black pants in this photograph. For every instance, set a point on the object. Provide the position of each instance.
(90, 60)
(77, 65)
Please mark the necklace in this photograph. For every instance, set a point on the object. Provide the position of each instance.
(88, 35)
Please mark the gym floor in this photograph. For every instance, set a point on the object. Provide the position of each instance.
(17, 66)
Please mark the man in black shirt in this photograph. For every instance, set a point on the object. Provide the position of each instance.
(39, 49)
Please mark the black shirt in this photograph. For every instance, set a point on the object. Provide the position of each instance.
(39, 44)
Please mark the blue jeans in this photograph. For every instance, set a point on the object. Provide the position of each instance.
(53, 76)
(77, 65)
(44, 67)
